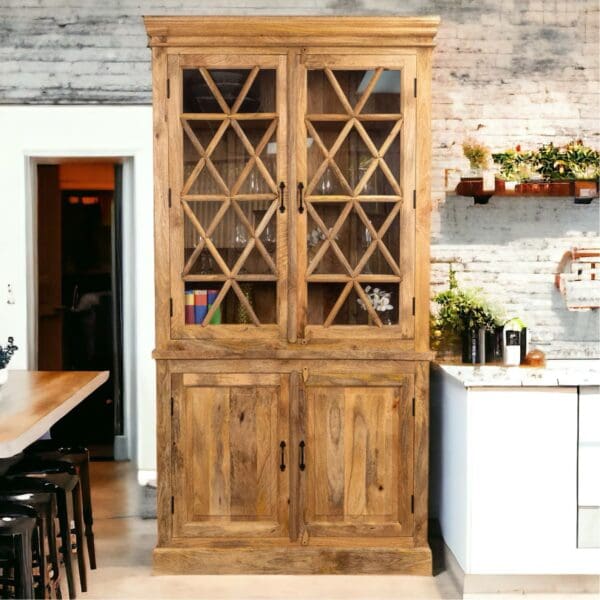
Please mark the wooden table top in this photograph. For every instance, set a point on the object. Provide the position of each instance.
(32, 401)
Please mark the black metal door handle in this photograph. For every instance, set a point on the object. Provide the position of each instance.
(281, 192)
(299, 193)
(302, 465)
(282, 465)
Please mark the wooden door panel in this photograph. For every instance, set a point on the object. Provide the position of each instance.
(228, 470)
(359, 454)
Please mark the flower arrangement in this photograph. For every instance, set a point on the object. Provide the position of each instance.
(380, 299)
(476, 153)
(6, 352)
(314, 237)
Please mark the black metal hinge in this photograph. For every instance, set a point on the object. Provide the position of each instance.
(171, 306)
(415, 87)
(169, 197)
(413, 406)
(172, 504)
(414, 199)
(172, 402)
(169, 88)
(412, 504)
(414, 307)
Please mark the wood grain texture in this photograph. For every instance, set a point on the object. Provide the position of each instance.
(228, 441)
(161, 192)
(164, 466)
(296, 560)
(265, 31)
(358, 457)
(343, 394)
(33, 401)
(423, 220)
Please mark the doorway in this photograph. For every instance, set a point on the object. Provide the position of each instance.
(79, 241)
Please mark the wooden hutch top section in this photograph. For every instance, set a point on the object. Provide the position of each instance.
(291, 31)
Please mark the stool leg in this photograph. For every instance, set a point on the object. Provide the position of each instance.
(38, 539)
(79, 536)
(24, 587)
(65, 536)
(51, 533)
(84, 474)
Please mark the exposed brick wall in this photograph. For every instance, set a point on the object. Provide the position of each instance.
(513, 71)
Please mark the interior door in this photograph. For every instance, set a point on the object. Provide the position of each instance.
(230, 464)
(49, 261)
(228, 175)
(358, 453)
(356, 176)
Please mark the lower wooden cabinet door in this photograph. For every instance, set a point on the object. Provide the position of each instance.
(358, 455)
(230, 477)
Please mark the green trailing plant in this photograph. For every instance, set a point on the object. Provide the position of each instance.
(476, 153)
(6, 352)
(460, 310)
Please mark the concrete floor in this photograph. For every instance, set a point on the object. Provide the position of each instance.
(124, 545)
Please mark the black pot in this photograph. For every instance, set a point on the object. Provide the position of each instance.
(473, 350)
(493, 345)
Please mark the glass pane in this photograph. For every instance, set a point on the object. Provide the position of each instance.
(322, 298)
(230, 235)
(383, 99)
(199, 98)
(200, 297)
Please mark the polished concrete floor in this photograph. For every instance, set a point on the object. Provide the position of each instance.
(124, 545)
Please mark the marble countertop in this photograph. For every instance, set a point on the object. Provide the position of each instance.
(556, 373)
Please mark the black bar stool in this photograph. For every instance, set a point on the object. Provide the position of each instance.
(80, 457)
(64, 475)
(18, 531)
(41, 496)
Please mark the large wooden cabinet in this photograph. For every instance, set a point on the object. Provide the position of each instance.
(292, 202)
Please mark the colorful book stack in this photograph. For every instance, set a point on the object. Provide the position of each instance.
(197, 305)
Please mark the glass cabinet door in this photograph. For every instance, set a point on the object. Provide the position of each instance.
(227, 163)
(357, 177)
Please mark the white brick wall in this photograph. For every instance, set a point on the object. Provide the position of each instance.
(506, 72)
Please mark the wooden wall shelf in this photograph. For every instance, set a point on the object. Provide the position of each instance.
(485, 196)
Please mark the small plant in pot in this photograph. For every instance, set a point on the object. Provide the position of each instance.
(513, 168)
(478, 156)
(6, 353)
(465, 313)
(583, 164)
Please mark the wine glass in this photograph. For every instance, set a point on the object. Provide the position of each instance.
(240, 240)
(269, 237)
(366, 238)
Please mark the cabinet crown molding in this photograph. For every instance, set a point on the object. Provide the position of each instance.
(184, 31)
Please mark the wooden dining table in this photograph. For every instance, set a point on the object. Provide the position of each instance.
(32, 401)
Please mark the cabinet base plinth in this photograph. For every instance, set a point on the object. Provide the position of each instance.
(196, 560)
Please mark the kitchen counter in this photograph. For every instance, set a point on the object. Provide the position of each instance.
(515, 451)
(563, 373)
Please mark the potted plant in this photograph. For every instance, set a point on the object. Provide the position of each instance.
(478, 156)
(6, 353)
(583, 164)
(466, 313)
(513, 165)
